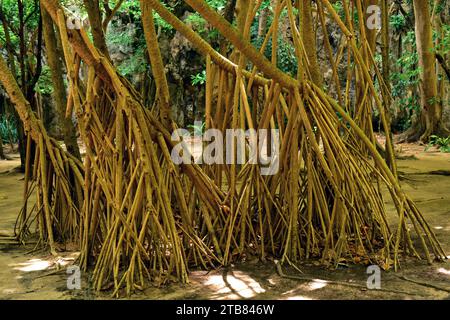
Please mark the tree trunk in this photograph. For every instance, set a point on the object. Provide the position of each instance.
(156, 63)
(59, 91)
(242, 8)
(430, 120)
(95, 19)
(309, 41)
(12, 66)
(262, 23)
(385, 41)
(22, 57)
(386, 75)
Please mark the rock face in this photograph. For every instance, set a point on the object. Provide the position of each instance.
(50, 117)
(446, 115)
(183, 62)
(128, 52)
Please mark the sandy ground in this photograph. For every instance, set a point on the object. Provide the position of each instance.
(28, 274)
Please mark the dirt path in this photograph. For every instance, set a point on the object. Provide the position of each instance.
(25, 276)
(21, 273)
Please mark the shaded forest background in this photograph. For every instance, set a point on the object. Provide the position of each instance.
(22, 43)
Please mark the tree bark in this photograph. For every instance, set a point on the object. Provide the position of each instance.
(386, 76)
(95, 19)
(262, 23)
(431, 110)
(23, 80)
(385, 41)
(59, 90)
(309, 41)
(156, 62)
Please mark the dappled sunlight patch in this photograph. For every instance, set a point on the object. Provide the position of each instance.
(312, 285)
(273, 281)
(299, 298)
(442, 227)
(32, 265)
(444, 271)
(9, 291)
(317, 284)
(45, 264)
(234, 285)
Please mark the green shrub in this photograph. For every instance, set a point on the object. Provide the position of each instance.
(443, 144)
(8, 129)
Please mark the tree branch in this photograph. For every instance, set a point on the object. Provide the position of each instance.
(443, 64)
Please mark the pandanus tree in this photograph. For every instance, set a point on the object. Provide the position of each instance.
(138, 217)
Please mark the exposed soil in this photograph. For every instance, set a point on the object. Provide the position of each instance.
(29, 274)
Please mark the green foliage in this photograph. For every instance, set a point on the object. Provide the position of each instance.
(217, 4)
(443, 144)
(397, 23)
(445, 40)
(198, 128)
(198, 23)
(134, 64)
(264, 5)
(406, 80)
(287, 60)
(339, 8)
(31, 21)
(8, 129)
(161, 22)
(440, 6)
(132, 9)
(199, 78)
(123, 41)
(44, 85)
(129, 7)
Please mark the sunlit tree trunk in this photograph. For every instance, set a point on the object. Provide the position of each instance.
(156, 61)
(385, 45)
(309, 41)
(241, 13)
(431, 110)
